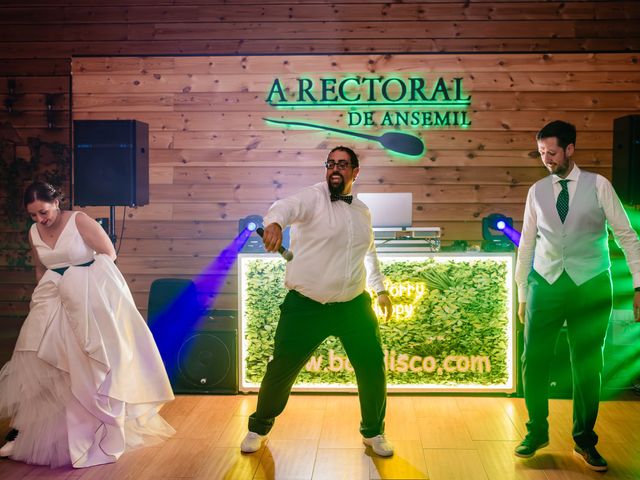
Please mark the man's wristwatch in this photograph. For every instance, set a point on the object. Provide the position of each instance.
(382, 292)
(637, 289)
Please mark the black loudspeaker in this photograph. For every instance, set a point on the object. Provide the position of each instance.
(198, 346)
(626, 158)
(111, 162)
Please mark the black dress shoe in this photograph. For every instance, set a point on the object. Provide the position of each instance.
(529, 446)
(7, 448)
(591, 458)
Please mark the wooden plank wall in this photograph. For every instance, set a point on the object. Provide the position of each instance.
(214, 160)
(150, 27)
(38, 39)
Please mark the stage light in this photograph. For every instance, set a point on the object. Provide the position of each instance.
(250, 222)
(493, 225)
(498, 233)
(248, 225)
(254, 244)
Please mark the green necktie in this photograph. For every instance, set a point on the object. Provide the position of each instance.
(562, 203)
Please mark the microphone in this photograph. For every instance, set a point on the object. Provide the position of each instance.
(286, 254)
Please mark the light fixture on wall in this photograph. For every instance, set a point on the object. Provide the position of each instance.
(49, 102)
(11, 98)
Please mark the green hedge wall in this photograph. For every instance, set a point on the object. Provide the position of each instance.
(457, 334)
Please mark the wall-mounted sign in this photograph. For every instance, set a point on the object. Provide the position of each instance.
(376, 104)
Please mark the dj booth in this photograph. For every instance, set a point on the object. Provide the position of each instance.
(451, 329)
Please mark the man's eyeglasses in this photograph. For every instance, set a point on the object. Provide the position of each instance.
(342, 164)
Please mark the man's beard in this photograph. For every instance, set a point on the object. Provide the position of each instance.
(336, 189)
(559, 169)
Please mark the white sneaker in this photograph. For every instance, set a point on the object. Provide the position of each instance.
(7, 449)
(252, 442)
(379, 445)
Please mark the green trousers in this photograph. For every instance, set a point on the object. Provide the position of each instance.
(304, 324)
(586, 309)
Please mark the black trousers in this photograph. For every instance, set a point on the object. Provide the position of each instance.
(304, 324)
(586, 309)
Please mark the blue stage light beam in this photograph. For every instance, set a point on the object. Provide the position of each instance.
(512, 234)
(182, 316)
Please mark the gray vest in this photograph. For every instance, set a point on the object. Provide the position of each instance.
(579, 246)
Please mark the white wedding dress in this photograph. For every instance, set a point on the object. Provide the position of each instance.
(86, 381)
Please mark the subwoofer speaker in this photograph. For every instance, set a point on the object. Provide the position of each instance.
(111, 165)
(206, 363)
(197, 346)
(626, 158)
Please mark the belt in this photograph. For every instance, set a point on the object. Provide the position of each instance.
(61, 270)
(328, 304)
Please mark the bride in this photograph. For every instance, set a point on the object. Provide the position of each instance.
(85, 382)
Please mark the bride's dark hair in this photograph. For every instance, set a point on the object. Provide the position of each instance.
(42, 191)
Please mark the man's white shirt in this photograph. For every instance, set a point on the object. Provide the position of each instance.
(332, 243)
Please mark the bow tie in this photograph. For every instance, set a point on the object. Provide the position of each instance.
(344, 198)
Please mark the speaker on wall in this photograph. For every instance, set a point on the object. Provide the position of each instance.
(111, 162)
(626, 158)
(198, 347)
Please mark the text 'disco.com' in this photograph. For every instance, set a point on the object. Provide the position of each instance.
(403, 363)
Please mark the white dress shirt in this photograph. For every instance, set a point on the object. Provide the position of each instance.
(332, 243)
(615, 215)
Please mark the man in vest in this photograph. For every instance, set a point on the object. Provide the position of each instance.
(565, 240)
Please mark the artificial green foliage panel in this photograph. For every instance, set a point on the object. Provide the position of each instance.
(449, 327)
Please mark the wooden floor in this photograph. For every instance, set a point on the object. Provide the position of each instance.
(437, 438)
